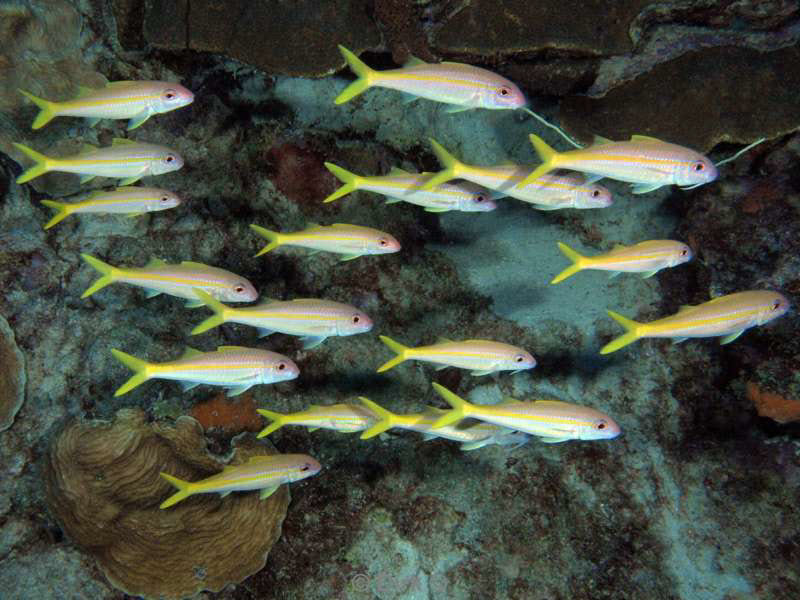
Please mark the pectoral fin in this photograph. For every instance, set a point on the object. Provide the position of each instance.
(127, 181)
(224, 494)
(431, 209)
(188, 385)
(554, 440)
(729, 338)
(647, 274)
(138, 119)
(678, 340)
(267, 492)
(644, 188)
(312, 341)
(92, 121)
(264, 332)
(87, 178)
(194, 303)
(151, 293)
(456, 108)
(479, 373)
(238, 389)
(351, 257)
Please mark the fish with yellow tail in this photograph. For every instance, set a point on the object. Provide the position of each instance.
(345, 418)
(401, 186)
(647, 258)
(472, 436)
(480, 356)
(646, 162)
(131, 201)
(264, 473)
(726, 317)
(552, 421)
(549, 192)
(352, 241)
(181, 280)
(126, 160)
(232, 367)
(459, 85)
(313, 319)
(136, 101)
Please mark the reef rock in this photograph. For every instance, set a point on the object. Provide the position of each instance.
(12, 376)
(103, 485)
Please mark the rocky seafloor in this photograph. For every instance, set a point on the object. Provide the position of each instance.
(695, 500)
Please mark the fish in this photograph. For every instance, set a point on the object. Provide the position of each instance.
(232, 367)
(351, 240)
(124, 159)
(132, 201)
(400, 185)
(647, 258)
(311, 318)
(136, 101)
(265, 473)
(461, 86)
(472, 437)
(482, 356)
(345, 418)
(725, 316)
(158, 277)
(647, 163)
(549, 192)
(553, 421)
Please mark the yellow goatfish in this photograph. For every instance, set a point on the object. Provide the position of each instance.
(551, 420)
(646, 162)
(727, 316)
(124, 159)
(232, 367)
(482, 356)
(401, 186)
(133, 100)
(345, 418)
(266, 473)
(461, 86)
(157, 277)
(548, 192)
(131, 201)
(311, 318)
(647, 258)
(471, 437)
(351, 240)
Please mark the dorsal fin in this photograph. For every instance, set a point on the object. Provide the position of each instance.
(190, 352)
(644, 138)
(122, 142)
(413, 61)
(127, 188)
(684, 307)
(599, 140)
(231, 348)
(189, 263)
(398, 171)
(86, 148)
(84, 91)
(155, 262)
(120, 84)
(618, 247)
(552, 402)
(443, 340)
(312, 225)
(260, 458)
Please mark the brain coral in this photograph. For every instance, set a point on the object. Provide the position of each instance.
(104, 488)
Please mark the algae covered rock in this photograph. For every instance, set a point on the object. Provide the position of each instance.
(103, 486)
(12, 376)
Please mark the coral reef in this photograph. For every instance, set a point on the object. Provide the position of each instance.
(103, 486)
(12, 376)
(230, 415)
(772, 405)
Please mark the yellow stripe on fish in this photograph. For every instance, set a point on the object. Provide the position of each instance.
(265, 473)
(344, 418)
(341, 238)
(646, 162)
(552, 420)
(481, 356)
(726, 316)
(122, 200)
(232, 367)
(459, 85)
(180, 280)
(312, 319)
(124, 159)
(133, 100)
(645, 257)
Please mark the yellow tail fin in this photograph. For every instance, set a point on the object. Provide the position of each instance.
(362, 71)
(632, 333)
(184, 490)
(396, 347)
(42, 166)
(453, 167)
(387, 419)
(47, 112)
(219, 312)
(350, 181)
(547, 155)
(62, 209)
(107, 271)
(137, 365)
(461, 408)
(273, 236)
(577, 263)
(278, 421)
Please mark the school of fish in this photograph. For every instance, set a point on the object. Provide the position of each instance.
(644, 162)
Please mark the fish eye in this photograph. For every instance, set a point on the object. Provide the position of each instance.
(170, 94)
(281, 366)
(305, 467)
(169, 158)
(684, 252)
(239, 288)
(504, 91)
(519, 358)
(698, 166)
(165, 198)
(601, 424)
(479, 198)
(356, 319)
(382, 242)
(595, 193)
(776, 305)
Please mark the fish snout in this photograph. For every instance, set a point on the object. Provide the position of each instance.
(509, 96)
(184, 96)
(360, 323)
(523, 360)
(606, 428)
(778, 307)
(285, 370)
(598, 197)
(482, 202)
(700, 171)
(309, 468)
(243, 291)
(387, 244)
